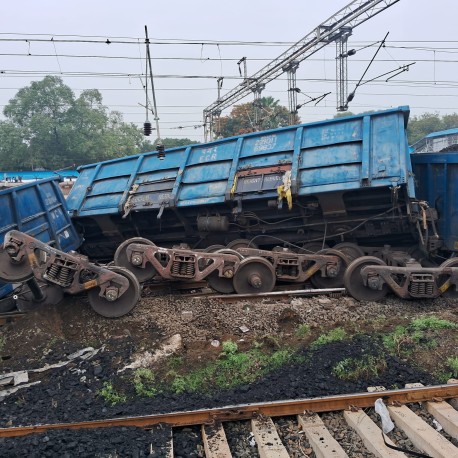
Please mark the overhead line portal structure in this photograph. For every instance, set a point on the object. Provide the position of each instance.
(337, 29)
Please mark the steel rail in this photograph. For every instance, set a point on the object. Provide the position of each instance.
(10, 316)
(276, 294)
(248, 411)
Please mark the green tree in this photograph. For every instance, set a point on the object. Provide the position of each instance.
(420, 126)
(242, 118)
(175, 142)
(48, 127)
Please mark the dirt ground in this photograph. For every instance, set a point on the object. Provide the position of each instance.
(164, 327)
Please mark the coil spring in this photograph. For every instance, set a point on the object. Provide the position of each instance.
(176, 268)
(183, 269)
(421, 288)
(190, 269)
(65, 275)
(53, 272)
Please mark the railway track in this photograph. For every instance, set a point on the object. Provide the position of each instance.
(416, 410)
(10, 317)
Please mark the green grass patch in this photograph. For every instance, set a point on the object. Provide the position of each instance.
(354, 369)
(144, 382)
(110, 395)
(335, 335)
(452, 363)
(231, 369)
(420, 332)
(432, 323)
(303, 331)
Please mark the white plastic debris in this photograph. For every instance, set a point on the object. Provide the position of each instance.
(147, 359)
(14, 378)
(437, 425)
(244, 328)
(380, 408)
(215, 343)
(85, 353)
(251, 440)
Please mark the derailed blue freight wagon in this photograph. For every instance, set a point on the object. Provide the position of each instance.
(39, 210)
(38, 258)
(435, 163)
(308, 186)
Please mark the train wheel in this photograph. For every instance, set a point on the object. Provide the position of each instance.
(121, 260)
(331, 282)
(11, 271)
(451, 292)
(241, 243)
(350, 250)
(124, 304)
(354, 284)
(255, 275)
(214, 248)
(26, 302)
(229, 251)
(220, 284)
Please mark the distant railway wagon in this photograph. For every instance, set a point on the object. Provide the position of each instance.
(38, 209)
(308, 186)
(435, 164)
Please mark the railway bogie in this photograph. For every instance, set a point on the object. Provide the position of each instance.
(245, 270)
(39, 209)
(46, 273)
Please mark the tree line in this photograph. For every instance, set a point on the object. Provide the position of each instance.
(48, 127)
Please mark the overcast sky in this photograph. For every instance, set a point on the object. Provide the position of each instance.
(420, 31)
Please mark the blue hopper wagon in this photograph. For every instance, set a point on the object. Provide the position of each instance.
(345, 180)
(39, 210)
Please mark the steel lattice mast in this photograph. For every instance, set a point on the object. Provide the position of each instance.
(335, 28)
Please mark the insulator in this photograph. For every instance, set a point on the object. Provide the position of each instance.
(160, 151)
(147, 128)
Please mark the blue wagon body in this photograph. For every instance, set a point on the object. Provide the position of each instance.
(38, 209)
(436, 176)
(313, 173)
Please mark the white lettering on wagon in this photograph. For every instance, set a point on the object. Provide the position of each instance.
(265, 143)
(208, 155)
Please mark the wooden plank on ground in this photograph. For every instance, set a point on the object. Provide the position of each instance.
(443, 412)
(267, 439)
(446, 415)
(371, 435)
(320, 439)
(215, 442)
(421, 434)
